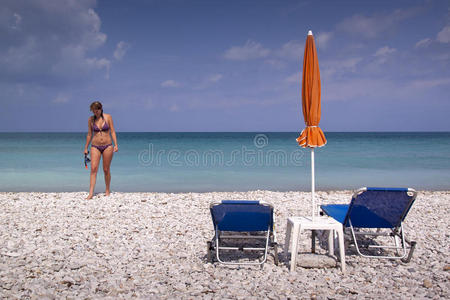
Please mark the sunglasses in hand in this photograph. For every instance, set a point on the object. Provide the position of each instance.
(86, 159)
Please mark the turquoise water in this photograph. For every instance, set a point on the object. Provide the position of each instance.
(178, 162)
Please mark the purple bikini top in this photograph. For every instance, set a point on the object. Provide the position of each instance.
(104, 127)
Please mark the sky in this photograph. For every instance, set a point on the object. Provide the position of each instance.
(223, 65)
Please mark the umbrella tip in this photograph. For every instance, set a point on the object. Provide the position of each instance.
(310, 32)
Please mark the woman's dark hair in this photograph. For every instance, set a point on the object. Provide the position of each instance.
(96, 105)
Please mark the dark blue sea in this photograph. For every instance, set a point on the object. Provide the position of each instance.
(223, 161)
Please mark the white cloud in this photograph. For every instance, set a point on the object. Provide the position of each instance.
(16, 22)
(20, 90)
(377, 89)
(170, 84)
(349, 64)
(50, 39)
(174, 107)
(294, 78)
(149, 104)
(322, 39)
(423, 43)
(373, 26)
(444, 35)
(215, 78)
(340, 66)
(251, 50)
(383, 54)
(292, 49)
(101, 64)
(441, 57)
(359, 89)
(121, 49)
(61, 98)
(276, 63)
(92, 38)
(383, 51)
(208, 81)
(430, 83)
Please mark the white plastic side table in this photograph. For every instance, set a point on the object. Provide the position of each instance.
(320, 223)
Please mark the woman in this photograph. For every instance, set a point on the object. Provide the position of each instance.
(103, 128)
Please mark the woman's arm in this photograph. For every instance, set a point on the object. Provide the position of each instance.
(113, 134)
(88, 137)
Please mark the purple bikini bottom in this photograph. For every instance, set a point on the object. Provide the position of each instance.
(101, 148)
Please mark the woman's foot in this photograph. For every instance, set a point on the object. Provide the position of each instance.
(107, 193)
(89, 197)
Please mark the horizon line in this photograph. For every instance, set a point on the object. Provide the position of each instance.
(259, 131)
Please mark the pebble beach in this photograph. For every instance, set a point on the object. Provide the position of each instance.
(153, 246)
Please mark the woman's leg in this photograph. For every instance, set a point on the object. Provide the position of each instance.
(107, 157)
(95, 161)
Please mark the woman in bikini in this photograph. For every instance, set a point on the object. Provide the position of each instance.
(102, 127)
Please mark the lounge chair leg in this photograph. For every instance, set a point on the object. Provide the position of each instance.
(313, 241)
(208, 251)
(275, 256)
(341, 249)
(396, 242)
(410, 254)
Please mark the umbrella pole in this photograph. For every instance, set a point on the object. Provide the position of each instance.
(312, 185)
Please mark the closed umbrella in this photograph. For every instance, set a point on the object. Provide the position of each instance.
(312, 136)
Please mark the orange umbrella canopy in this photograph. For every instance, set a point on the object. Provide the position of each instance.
(312, 136)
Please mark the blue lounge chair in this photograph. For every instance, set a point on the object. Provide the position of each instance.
(381, 208)
(246, 221)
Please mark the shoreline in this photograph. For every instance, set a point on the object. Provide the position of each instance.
(206, 192)
(153, 245)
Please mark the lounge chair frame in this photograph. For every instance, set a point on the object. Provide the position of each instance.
(268, 236)
(400, 242)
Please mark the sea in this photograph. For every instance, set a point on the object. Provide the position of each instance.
(227, 161)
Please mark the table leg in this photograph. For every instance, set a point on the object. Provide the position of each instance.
(331, 242)
(341, 249)
(287, 239)
(294, 247)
